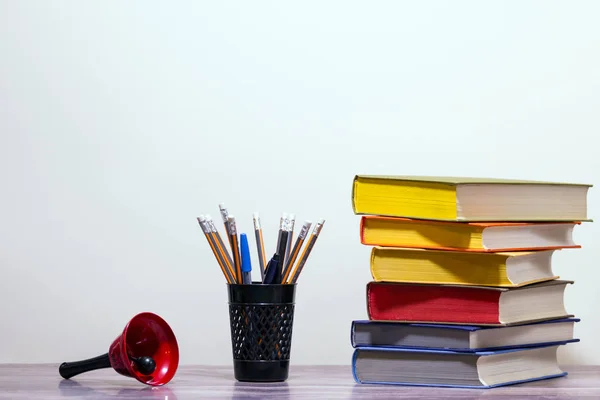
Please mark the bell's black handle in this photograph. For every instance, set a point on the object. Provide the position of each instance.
(70, 369)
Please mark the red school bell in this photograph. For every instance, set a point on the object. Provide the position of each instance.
(147, 350)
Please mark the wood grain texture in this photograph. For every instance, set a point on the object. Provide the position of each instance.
(20, 382)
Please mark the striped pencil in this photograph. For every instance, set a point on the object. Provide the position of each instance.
(213, 245)
(307, 249)
(233, 238)
(224, 216)
(260, 245)
(220, 245)
(287, 269)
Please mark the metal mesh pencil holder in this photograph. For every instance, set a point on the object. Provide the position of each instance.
(261, 320)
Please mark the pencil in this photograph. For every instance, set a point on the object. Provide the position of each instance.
(287, 269)
(224, 216)
(260, 245)
(202, 222)
(288, 246)
(281, 249)
(307, 249)
(221, 248)
(281, 224)
(237, 263)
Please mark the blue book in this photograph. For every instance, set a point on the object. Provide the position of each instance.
(482, 369)
(463, 338)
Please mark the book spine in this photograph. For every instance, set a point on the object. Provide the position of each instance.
(353, 366)
(361, 229)
(353, 194)
(372, 262)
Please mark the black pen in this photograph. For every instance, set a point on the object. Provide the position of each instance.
(271, 270)
(280, 255)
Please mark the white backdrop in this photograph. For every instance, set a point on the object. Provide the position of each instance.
(121, 122)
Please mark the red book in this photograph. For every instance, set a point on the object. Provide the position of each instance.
(470, 305)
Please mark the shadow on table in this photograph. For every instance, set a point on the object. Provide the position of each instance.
(70, 388)
(243, 391)
(372, 391)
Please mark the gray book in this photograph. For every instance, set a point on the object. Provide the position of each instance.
(366, 333)
(420, 367)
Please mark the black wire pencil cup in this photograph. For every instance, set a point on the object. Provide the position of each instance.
(261, 314)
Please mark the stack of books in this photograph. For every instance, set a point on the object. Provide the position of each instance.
(463, 291)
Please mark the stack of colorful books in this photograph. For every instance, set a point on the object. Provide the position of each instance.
(463, 291)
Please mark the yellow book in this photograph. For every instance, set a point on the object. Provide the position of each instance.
(506, 269)
(466, 236)
(469, 199)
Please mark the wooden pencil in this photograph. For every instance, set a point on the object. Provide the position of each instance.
(211, 242)
(307, 249)
(287, 269)
(225, 217)
(220, 245)
(260, 245)
(233, 238)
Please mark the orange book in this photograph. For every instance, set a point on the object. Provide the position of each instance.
(462, 236)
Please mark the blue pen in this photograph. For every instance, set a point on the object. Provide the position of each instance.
(246, 264)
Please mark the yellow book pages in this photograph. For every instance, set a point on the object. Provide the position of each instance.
(508, 269)
(391, 197)
(401, 232)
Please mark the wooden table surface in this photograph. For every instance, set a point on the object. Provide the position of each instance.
(20, 382)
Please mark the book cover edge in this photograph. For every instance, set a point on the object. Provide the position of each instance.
(468, 180)
(494, 288)
(553, 376)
